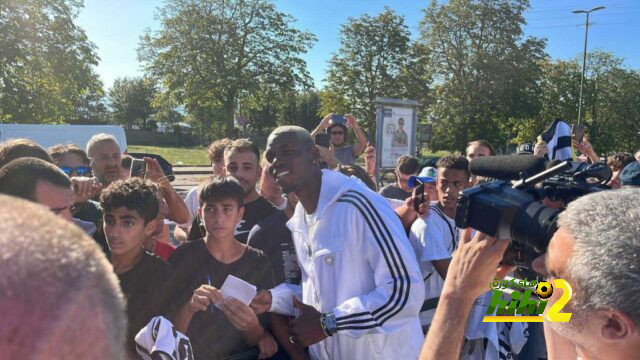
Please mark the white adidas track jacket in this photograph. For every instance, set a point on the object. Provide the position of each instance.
(357, 262)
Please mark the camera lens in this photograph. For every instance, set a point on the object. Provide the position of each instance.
(534, 225)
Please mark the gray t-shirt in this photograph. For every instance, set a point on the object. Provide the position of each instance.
(394, 192)
(344, 154)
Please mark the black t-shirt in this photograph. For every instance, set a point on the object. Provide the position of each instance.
(144, 287)
(212, 335)
(273, 237)
(253, 213)
(394, 192)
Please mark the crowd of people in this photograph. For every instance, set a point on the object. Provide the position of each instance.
(342, 269)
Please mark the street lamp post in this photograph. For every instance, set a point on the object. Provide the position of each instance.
(584, 54)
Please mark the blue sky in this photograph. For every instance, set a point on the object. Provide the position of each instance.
(115, 27)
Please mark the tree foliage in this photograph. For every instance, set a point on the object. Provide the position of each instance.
(208, 53)
(374, 51)
(46, 64)
(486, 73)
(131, 101)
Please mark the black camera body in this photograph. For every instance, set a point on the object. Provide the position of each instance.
(515, 212)
(498, 210)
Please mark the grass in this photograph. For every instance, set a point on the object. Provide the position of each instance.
(197, 156)
(187, 156)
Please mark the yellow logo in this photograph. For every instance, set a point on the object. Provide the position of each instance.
(544, 290)
(530, 309)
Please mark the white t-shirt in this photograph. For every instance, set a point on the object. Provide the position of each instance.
(433, 237)
(192, 201)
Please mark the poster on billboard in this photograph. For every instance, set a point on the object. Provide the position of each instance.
(395, 130)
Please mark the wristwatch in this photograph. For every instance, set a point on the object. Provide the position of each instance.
(328, 323)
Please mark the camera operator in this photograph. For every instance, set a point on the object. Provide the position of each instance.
(598, 259)
(600, 262)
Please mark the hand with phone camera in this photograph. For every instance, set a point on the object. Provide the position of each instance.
(419, 199)
(338, 119)
(137, 168)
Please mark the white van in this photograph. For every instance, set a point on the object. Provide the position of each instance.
(49, 135)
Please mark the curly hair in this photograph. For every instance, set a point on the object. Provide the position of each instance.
(454, 162)
(134, 194)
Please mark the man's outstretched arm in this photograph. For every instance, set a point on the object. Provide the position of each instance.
(473, 267)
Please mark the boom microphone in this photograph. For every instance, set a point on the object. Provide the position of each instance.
(507, 167)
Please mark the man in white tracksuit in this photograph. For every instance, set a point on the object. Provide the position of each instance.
(361, 285)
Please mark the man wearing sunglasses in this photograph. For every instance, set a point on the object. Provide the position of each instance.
(74, 162)
(338, 136)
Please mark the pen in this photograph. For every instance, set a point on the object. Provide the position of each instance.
(211, 309)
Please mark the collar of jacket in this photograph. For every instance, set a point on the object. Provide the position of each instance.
(332, 186)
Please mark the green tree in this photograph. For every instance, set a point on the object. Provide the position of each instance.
(168, 117)
(486, 73)
(208, 53)
(131, 101)
(301, 108)
(46, 63)
(373, 52)
(611, 98)
(610, 101)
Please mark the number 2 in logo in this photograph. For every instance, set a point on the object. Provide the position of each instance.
(554, 313)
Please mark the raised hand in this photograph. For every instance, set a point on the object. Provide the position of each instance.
(85, 188)
(475, 264)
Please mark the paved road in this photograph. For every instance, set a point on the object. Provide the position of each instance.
(188, 177)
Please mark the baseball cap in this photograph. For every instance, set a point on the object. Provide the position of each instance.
(524, 149)
(630, 175)
(427, 176)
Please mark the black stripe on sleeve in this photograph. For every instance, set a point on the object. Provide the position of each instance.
(398, 271)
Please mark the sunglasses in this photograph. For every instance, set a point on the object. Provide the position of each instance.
(79, 171)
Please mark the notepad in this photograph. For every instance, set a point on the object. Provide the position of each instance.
(239, 289)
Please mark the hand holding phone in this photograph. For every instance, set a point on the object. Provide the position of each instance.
(138, 167)
(338, 119)
(322, 139)
(577, 132)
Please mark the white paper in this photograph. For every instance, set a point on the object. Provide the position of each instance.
(239, 289)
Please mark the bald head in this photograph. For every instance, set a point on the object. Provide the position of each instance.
(58, 295)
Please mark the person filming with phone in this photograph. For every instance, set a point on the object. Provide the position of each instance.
(337, 127)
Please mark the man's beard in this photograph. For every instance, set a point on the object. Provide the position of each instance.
(574, 329)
